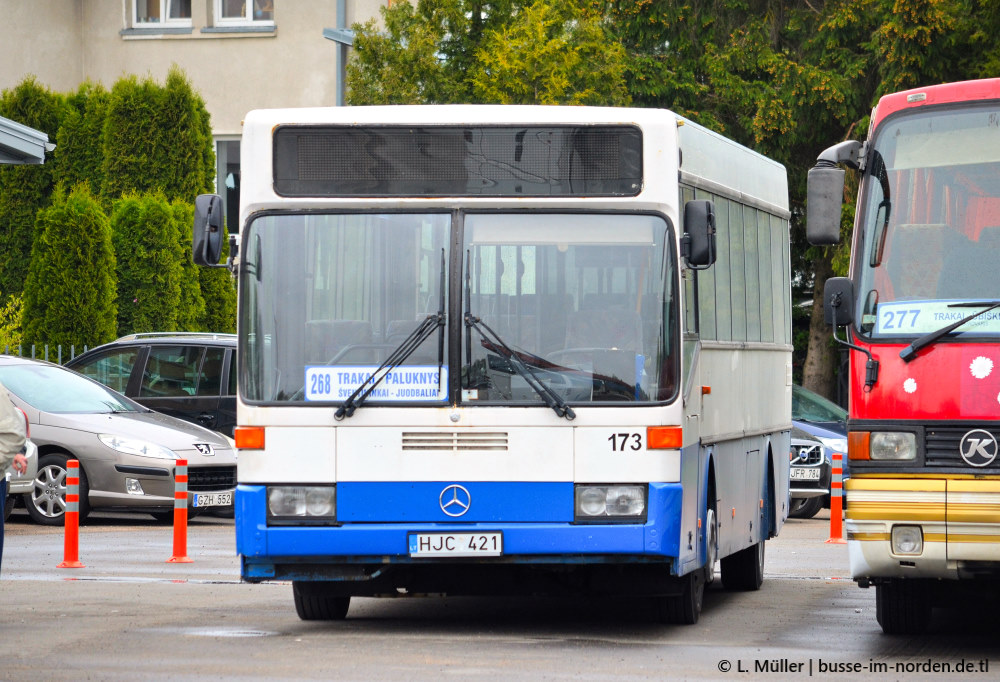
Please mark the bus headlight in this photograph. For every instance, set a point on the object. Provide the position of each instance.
(892, 445)
(307, 505)
(907, 540)
(604, 503)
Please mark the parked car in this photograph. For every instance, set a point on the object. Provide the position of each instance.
(127, 453)
(17, 483)
(191, 376)
(824, 423)
(808, 476)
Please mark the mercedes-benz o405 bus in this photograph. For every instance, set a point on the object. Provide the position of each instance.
(507, 350)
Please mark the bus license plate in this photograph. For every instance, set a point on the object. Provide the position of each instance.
(455, 544)
(212, 500)
(804, 474)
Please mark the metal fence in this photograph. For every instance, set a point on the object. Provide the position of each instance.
(58, 354)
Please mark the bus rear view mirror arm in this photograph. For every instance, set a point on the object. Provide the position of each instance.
(825, 191)
(838, 311)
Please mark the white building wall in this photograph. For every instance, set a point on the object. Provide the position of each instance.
(64, 42)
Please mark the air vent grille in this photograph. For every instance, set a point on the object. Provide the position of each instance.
(451, 441)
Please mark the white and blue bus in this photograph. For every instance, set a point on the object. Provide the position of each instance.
(506, 350)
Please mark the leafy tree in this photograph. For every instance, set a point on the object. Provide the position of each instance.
(25, 189)
(69, 295)
(149, 257)
(550, 54)
(432, 51)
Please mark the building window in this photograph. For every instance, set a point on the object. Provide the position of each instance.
(161, 12)
(244, 12)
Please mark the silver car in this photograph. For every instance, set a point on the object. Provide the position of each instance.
(127, 453)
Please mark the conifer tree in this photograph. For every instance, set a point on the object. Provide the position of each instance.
(149, 271)
(69, 295)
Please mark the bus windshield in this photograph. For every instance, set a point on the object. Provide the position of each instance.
(931, 223)
(571, 308)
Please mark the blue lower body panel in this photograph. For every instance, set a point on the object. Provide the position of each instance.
(535, 519)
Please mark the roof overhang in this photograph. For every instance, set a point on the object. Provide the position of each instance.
(22, 145)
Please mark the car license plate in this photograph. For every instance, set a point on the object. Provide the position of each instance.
(455, 544)
(804, 474)
(212, 500)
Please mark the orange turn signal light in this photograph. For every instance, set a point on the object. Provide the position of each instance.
(249, 437)
(664, 437)
(857, 445)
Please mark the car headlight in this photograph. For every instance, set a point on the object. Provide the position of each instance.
(834, 444)
(603, 503)
(898, 445)
(298, 504)
(134, 446)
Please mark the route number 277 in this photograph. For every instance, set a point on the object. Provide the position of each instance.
(622, 441)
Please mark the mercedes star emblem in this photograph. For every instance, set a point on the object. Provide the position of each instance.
(455, 500)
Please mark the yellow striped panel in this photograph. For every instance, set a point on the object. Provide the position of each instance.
(895, 484)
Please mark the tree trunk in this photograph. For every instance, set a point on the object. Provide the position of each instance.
(821, 355)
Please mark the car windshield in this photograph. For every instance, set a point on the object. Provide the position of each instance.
(54, 389)
(930, 224)
(811, 407)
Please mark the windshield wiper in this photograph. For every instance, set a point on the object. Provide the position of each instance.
(550, 397)
(910, 351)
(399, 355)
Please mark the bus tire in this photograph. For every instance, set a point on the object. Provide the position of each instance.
(903, 607)
(744, 570)
(683, 608)
(312, 602)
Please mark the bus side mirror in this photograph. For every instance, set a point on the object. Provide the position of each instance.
(698, 241)
(838, 301)
(206, 240)
(825, 192)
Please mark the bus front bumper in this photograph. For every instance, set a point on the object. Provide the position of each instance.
(956, 519)
(369, 552)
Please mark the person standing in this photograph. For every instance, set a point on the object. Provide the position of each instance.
(12, 436)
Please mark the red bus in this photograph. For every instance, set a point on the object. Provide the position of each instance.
(921, 308)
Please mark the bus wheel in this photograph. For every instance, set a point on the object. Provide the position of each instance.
(903, 607)
(313, 602)
(711, 546)
(683, 608)
(744, 570)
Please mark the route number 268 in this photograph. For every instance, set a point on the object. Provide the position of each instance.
(622, 441)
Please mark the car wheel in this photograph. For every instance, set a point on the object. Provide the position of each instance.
(805, 508)
(46, 503)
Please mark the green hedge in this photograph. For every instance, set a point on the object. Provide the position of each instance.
(148, 251)
(25, 189)
(69, 295)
